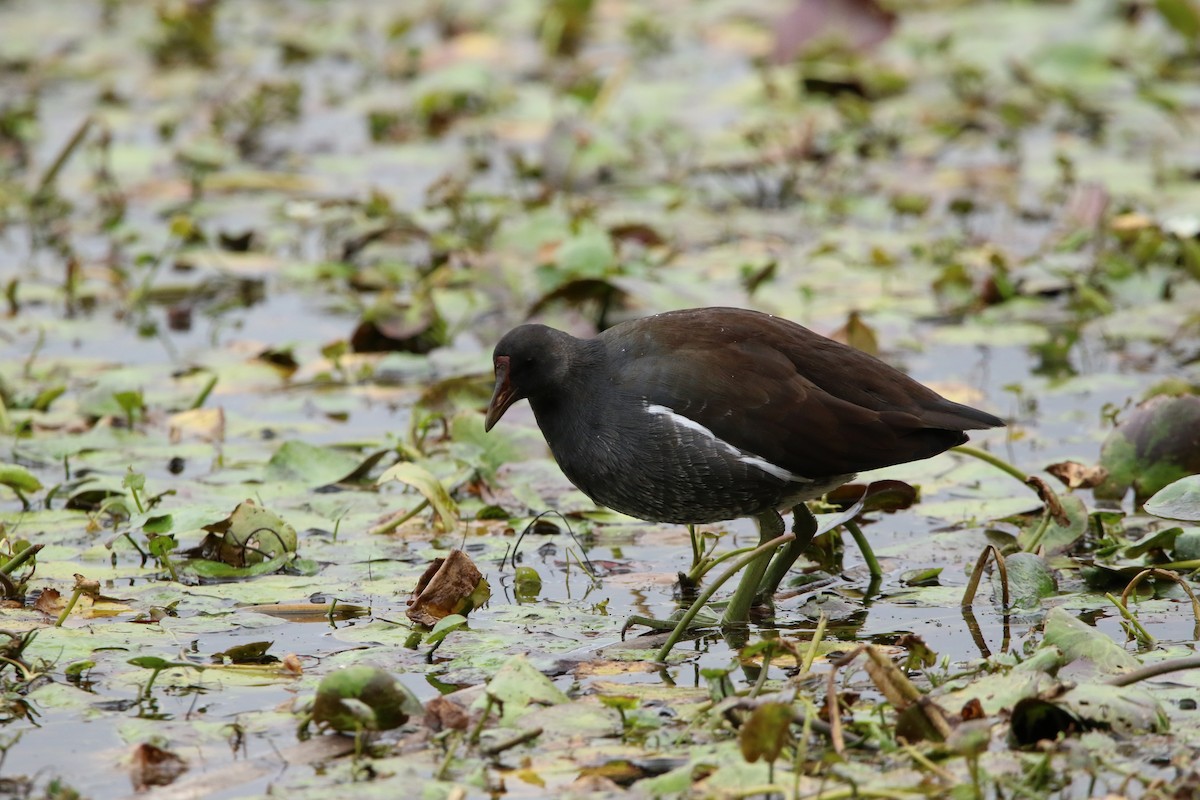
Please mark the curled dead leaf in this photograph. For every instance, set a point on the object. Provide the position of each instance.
(1075, 475)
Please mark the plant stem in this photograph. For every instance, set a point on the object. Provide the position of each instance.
(1143, 636)
(66, 612)
(699, 602)
(994, 460)
(20, 558)
(864, 547)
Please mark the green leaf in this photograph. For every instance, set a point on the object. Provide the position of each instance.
(429, 486)
(519, 687)
(1162, 540)
(249, 653)
(18, 478)
(1182, 16)
(161, 545)
(252, 533)
(134, 480)
(363, 696)
(1178, 500)
(1152, 448)
(221, 570)
(1081, 642)
(527, 583)
(445, 626)
(151, 662)
(311, 465)
(620, 702)
(1030, 580)
(589, 255)
(162, 523)
(77, 668)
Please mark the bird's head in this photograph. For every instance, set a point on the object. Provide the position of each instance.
(530, 362)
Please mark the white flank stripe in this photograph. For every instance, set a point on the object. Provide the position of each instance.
(767, 466)
(754, 461)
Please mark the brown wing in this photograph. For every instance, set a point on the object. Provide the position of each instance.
(779, 391)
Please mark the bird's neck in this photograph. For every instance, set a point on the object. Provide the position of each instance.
(568, 407)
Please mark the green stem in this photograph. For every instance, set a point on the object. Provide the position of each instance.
(995, 461)
(1143, 636)
(864, 547)
(66, 612)
(170, 565)
(699, 602)
(205, 391)
(810, 655)
(707, 564)
(56, 166)
(20, 558)
(1035, 538)
(396, 522)
(451, 749)
(473, 738)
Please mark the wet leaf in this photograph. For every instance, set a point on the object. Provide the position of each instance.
(1078, 476)
(150, 765)
(444, 627)
(1128, 710)
(1030, 580)
(519, 688)
(249, 653)
(1082, 643)
(413, 328)
(921, 577)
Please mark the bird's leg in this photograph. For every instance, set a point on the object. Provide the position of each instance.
(804, 525)
(737, 612)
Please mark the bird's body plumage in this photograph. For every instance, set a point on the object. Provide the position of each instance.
(709, 414)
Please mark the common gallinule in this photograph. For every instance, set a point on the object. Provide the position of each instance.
(710, 414)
